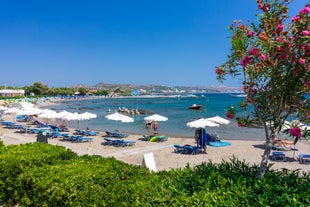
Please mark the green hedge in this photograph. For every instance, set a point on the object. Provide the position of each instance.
(39, 174)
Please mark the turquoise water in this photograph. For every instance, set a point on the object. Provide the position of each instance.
(175, 108)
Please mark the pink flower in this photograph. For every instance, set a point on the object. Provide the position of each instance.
(305, 10)
(280, 27)
(296, 132)
(302, 61)
(250, 33)
(308, 67)
(279, 48)
(278, 39)
(305, 33)
(219, 71)
(295, 19)
(262, 56)
(254, 51)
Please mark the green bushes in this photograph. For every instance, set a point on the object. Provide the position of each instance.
(45, 175)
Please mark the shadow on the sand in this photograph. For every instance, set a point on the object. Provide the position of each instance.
(261, 146)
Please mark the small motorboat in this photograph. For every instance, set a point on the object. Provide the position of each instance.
(195, 106)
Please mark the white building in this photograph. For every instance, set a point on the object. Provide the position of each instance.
(12, 93)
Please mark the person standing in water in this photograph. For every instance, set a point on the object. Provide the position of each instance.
(155, 127)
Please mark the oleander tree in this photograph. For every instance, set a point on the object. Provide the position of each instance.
(272, 55)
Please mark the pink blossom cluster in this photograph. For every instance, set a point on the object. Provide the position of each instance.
(296, 132)
(248, 59)
(220, 71)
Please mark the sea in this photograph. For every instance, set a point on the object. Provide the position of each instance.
(175, 108)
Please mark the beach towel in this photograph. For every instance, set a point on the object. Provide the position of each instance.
(219, 144)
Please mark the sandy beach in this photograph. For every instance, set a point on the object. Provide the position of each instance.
(164, 156)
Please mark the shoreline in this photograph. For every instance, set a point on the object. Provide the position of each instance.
(164, 156)
(59, 102)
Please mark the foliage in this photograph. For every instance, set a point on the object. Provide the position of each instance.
(83, 91)
(48, 175)
(274, 58)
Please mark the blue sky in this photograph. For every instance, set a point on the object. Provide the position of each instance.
(167, 42)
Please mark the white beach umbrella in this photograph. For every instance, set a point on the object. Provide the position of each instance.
(12, 110)
(218, 120)
(119, 117)
(66, 115)
(156, 117)
(2, 108)
(48, 114)
(202, 123)
(29, 111)
(88, 115)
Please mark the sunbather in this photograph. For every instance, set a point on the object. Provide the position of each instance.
(282, 143)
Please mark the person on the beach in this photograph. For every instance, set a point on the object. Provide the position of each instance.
(197, 136)
(155, 127)
(148, 124)
(281, 143)
(203, 140)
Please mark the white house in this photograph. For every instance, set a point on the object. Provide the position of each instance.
(12, 93)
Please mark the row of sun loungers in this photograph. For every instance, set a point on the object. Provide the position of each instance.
(49, 132)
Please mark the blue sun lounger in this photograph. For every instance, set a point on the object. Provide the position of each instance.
(278, 156)
(304, 158)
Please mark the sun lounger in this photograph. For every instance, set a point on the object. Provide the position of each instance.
(280, 148)
(116, 134)
(107, 141)
(304, 158)
(188, 149)
(84, 139)
(278, 156)
(178, 148)
(126, 143)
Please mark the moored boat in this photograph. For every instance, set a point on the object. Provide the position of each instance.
(195, 106)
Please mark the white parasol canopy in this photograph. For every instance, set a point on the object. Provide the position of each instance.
(3, 108)
(48, 114)
(156, 117)
(119, 117)
(13, 110)
(218, 120)
(201, 123)
(29, 111)
(88, 115)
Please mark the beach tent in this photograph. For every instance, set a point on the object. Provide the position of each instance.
(119, 117)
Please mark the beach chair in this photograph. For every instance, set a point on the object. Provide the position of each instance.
(107, 141)
(188, 149)
(84, 139)
(280, 148)
(278, 156)
(178, 148)
(116, 134)
(126, 143)
(303, 158)
(147, 137)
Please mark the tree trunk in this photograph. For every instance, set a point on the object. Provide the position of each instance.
(265, 157)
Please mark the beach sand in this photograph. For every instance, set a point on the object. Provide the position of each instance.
(164, 156)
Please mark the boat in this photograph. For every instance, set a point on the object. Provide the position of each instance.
(239, 95)
(195, 106)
